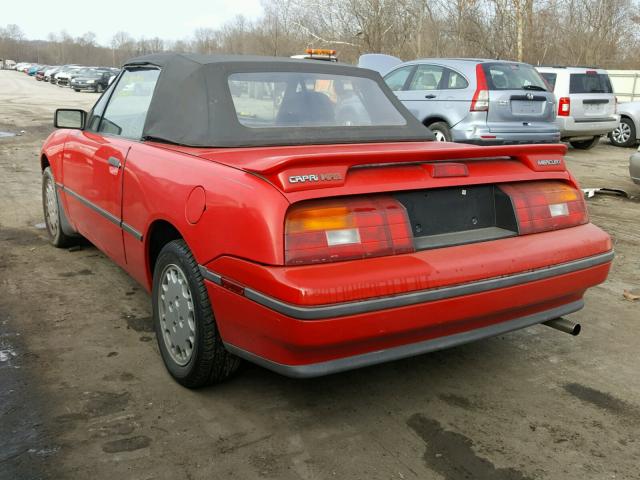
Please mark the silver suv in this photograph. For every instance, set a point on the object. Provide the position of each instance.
(473, 100)
(586, 103)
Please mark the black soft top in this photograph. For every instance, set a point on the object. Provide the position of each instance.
(192, 104)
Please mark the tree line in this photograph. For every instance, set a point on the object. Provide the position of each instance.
(602, 33)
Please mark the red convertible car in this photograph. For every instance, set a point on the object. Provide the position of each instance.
(296, 215)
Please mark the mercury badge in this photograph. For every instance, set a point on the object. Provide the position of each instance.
(547, 162)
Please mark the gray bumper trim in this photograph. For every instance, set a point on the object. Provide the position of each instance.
(594, 120)
(410, 350)
(421, 296)
(112, 218)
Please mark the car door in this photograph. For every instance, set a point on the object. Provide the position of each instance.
(398, 79)
(456, 95)
(94, 160)
(423, 93)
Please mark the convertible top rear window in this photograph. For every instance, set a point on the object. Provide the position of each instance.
(278, 99)
(243, 101)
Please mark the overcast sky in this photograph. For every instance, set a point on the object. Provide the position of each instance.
(167, 19)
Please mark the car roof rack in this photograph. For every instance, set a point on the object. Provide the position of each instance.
(570, 66)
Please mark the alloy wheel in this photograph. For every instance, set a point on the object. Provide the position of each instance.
(622, 133)
(439, 136)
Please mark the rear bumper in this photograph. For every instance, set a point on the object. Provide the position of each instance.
(407, 350)
(484, 136)
(411, 298)
(570, 128)
(634, 167)
(283, 321)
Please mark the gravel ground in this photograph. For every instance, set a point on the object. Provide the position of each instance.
(84, 393)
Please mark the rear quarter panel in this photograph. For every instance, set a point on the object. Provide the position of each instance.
(243, 213)
(631, 110)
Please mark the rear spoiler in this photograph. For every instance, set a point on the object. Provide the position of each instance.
(330, 164)
(548, 157)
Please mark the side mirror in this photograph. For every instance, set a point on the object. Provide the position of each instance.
(69, 118)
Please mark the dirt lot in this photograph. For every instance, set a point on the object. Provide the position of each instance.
(84, 393)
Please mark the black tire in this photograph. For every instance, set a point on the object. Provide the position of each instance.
(627, 127)
(77, 89)
(54, 220)
(99, 88)
(209, 362)
(585, 144)
(441, 131)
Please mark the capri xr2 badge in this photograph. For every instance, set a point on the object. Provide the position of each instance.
(312, 177)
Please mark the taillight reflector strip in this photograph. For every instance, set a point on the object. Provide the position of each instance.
(323, 231)
(546, 205)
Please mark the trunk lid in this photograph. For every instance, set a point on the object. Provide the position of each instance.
(591, 96)
(518, 99)
(313, 171)
(378, 62)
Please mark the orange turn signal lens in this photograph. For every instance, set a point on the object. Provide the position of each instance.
(321, 218)
(320, 231)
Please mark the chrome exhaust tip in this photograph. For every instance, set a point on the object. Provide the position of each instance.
(564, 325)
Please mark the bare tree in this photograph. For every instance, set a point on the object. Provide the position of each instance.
(596, 32)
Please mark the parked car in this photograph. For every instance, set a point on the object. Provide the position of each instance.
(634, 167)
(308, 223)
(7, 64)
(53, 80)
(63, 77)
(626, 134)
(40, 72)
(92, 79)
(49, 72)
(586, 104)
(473, 101)
(33, 69)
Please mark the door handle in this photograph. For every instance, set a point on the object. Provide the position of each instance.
(114, 162)
(430, 96)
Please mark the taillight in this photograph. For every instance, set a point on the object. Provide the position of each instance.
(546, 205)
(480, 100)
(564, 107)
(323, 231)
